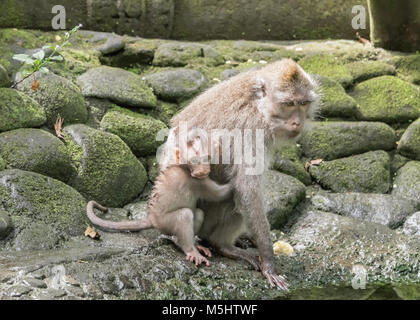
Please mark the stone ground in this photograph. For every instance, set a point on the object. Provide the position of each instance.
(355, 215)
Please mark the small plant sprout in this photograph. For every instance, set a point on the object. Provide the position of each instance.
(39, 60)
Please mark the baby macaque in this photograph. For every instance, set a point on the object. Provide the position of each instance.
(172, 206)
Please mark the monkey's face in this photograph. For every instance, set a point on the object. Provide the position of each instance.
(286, 101)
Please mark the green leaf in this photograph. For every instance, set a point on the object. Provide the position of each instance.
(56, 58)
(44, 70)
(21, 57)
(39, 55)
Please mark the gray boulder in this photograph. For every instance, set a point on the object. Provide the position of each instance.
(17, 110)
(337, 247)
(368, 173)
(57, 96)
(179, 54)
(24, 195)
(177, 85)
(287, 160)
(281, 193)
(384, 209)
(107, 170)
(5, 224)
(409, 145)
(332, 140)
(120, 86)
(412, 225)
(407, 181)
(38, 151)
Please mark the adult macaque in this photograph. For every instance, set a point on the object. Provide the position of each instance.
(172, 206)
(277, 99)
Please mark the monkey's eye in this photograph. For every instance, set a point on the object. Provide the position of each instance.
(302, 103)
(289, 103)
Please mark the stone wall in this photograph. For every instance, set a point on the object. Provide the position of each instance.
(194, 19)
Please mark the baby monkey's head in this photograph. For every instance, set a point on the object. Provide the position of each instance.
(196, 155)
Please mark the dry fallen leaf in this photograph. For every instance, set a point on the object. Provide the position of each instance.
(57, 126)
(312, 163)
(282, 247)
(35, 85)
(89, 232)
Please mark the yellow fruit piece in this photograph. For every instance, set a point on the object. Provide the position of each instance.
(281, 247)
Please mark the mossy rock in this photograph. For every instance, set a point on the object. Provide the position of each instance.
(281, 193)
(287, 160)
(334, 101)
(153, 169)
(38, 151)
(328, 66)
(407, 181)
(97, 108)
(2, 164)
(17, 110)
(177, 85)
(165, 111)
(135, 52)
(409, 145)
(4, 77)
(108, 171)
(180, 54)
(330, 242)
(384, 209)
(138, 131)
(31, 197)
(412, 225)
(408, 67)
(120, 86)
(58, 97)
(364, 70)
(397, 162)
(76, 62)
(332, 140)
(368, 173)
(387, 99)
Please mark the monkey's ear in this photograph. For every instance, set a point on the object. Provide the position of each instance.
(259, 88)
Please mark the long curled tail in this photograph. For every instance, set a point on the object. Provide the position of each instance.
(134, 225)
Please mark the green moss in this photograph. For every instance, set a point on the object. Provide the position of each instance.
(409, 144)
(334, 102)
(364, 70)
(76, 62)
(2, 164)
(287, 160)
(328, 66)
(42, 198)
(137, 130)
(408, 67)
(38, 151)
(368, 172)
(387, 99)
(107, 170)
(332, 140)
(17, 110)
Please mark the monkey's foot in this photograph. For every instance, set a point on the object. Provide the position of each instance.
(276, 280)
(204, 250)
(195, 257)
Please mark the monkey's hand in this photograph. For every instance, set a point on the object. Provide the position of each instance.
(275, 280)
